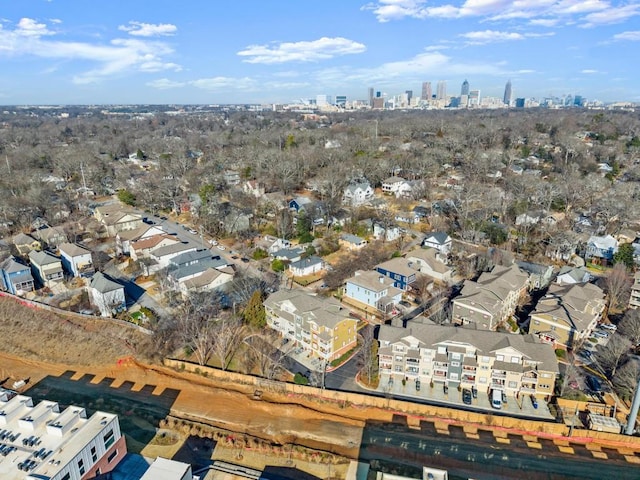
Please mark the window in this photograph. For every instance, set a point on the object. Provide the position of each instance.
(484, 359)
(455, 355)
(455, 364)
(67, 476)
(500, 358)
(81, 466)
(515, 360)
(108, 439)
(513, 384)
(94, 455)
(482, 380)
(113, 455)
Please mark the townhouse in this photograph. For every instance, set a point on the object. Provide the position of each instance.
(492, 299)
(402, 271)
(16, 277)
(76, 260)
(568, 314)
(115, 218)
(467, 358)
(46, 267)
(321, 326)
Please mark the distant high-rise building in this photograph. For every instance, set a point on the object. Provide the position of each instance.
(507, 93)
(474, 98)
(520, 102)
(371, 96)
(426, 91)
(323, 100)
(409, 95)
(341, 100)
(465, 88)
(441, 90)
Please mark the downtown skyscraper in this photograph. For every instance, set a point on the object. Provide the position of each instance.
(508, 93)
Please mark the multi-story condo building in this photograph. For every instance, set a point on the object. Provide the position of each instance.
(492, 299)
(634, 299)
(43, 442)
(468, 358)
(320, 325)
(567, 314)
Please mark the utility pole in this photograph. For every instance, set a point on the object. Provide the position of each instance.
(633, 414)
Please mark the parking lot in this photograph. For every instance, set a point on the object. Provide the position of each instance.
(521, 407)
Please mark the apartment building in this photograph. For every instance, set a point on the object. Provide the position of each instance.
(568, 314)
(322, 326)
(44, 442)
(634, 299)
(468, 358)
(491, 299)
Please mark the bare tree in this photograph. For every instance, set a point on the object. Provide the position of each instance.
(196, 327)
(626, 379)
(630, 326)
(228, 333)
(614, 354)
(369, 352)
(618, 286)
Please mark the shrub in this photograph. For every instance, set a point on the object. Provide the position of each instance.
(300, 379)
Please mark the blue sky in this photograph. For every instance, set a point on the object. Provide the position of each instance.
(230, 51)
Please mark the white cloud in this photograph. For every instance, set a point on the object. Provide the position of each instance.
(489, 36)
(224, 83)
(140, 29)
(387, 10)
(633, 36)
(588, 71)
(322, 49)
(611, 15)
(28, 27)
(118, 57)
(540, 12)
(165, 84)
(525, 71)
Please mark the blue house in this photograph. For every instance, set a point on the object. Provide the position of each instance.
(16, 276)
(401, 271)
(299, 203)
(601, 248)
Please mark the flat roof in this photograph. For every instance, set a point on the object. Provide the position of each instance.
(61, 435)
(164, 469)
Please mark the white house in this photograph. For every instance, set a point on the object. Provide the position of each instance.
(438, 240)
(106, 295)
(357, 193)
(388, 234)
(306, 266)
(431, 262)
(76, 260)
(391, 185)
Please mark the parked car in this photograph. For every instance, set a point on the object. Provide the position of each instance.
(534, 401)
(192, 231)
(600, 334)
(594, 384)
(417, 385)
(474, 392)
(213, 242)
(504, 397)
(466, 396)
(445, 389)
(496, 399)
(609, 326)
(221, 247)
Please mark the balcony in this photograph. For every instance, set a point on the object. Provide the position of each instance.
(499, 374)
(527, 390)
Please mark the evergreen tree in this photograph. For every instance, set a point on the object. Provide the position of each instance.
(254, 313)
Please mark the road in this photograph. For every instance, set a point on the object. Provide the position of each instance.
(483, 458)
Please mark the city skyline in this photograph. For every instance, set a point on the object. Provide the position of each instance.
(64, 51)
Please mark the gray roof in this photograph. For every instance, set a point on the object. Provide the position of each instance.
(23, 239)
(190, 257)
(12, 265)
(534, 268)
(327, 312)
(170, 249)
(103, 284)
(373, 281)
(348, 237)
(439, 237)
(306, 262)
(576, 273)
(73, 249)
(288, 253)
(399, 265)
(43, 258)
(483, 341)
(188, 270)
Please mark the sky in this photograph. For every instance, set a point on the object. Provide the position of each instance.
(280, 51)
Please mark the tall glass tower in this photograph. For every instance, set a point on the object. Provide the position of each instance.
(507, 93)
(465, 88)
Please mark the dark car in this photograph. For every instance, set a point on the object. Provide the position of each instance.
(534, 401)
(445, 389)
(474, 392)
(594, 384)
(466, 396)
(244, 260)
(417, 385)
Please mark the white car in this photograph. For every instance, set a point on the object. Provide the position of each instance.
(220, 247)
(609, 326)
(192, 231)
(213, 242)
(600, 334)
